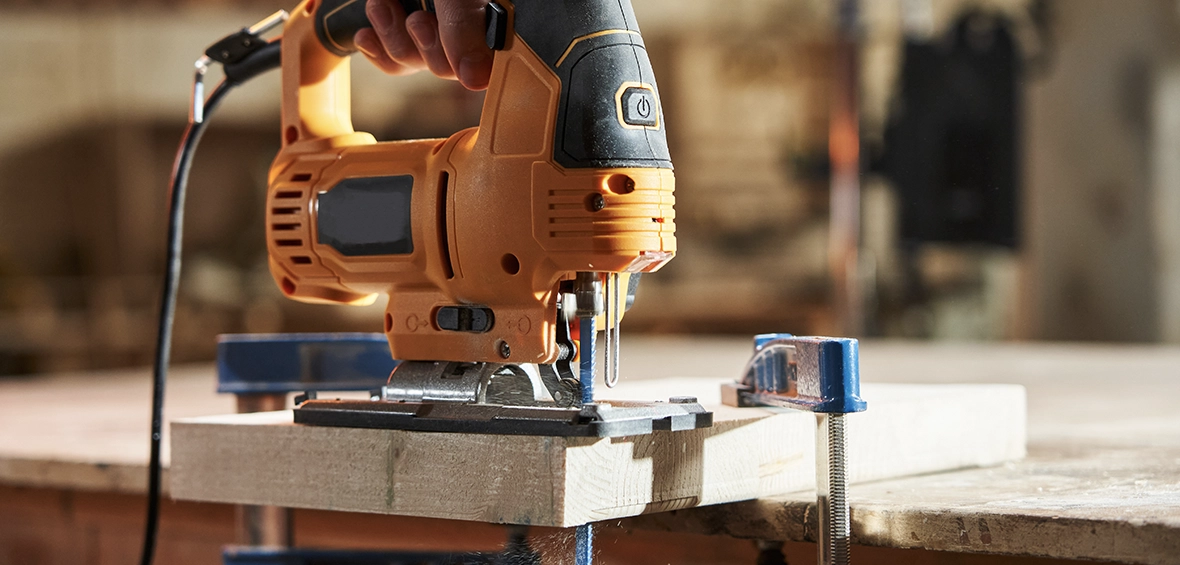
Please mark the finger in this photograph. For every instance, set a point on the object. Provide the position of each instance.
(462, 31)
(367, 43)
(423, 27)
(389, 23)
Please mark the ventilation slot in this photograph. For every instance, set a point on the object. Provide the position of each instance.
(289, 194)
(301, 260)
(444, 242)
(284, 211)
(289, 242)
(301, 177)
(285, 227)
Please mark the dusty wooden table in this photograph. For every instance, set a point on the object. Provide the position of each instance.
(1102, 480)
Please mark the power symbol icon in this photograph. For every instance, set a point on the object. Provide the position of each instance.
(638, 107)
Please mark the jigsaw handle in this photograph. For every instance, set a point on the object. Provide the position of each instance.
(607, 110)
(337, 21)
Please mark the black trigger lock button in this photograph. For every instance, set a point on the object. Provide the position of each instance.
(496, 19)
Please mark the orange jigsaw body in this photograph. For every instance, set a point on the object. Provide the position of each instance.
(494, 220)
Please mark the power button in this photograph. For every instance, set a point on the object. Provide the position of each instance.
(639, 107)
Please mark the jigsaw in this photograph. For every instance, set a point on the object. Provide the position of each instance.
(493, 242)
(503, 248)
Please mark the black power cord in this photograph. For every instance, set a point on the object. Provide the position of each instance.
(180, 171)
(262, 57)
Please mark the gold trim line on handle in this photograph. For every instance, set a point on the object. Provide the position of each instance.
(561, 59)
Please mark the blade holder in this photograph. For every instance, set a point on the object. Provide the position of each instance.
(820, 375)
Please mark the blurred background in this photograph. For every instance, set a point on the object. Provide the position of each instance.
(935, 169)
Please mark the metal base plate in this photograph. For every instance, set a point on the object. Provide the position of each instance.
(601, 419)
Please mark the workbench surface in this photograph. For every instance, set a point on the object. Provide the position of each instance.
(1102, 480)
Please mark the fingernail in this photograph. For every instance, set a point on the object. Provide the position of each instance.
(474, 70)
(360, 41)
(423, 33)
(381, 14)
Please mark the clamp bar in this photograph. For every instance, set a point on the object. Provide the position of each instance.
(281, 363)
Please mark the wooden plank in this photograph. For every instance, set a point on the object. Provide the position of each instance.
(748, 453)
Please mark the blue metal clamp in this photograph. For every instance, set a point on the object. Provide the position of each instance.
(820, 375)
(281, 363)
(816, 374)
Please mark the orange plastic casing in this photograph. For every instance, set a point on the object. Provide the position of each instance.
(495, 221)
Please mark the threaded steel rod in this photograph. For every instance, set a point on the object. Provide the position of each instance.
(835, 529)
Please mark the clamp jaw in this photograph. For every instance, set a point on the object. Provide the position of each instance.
(820, 375)
(816, 374)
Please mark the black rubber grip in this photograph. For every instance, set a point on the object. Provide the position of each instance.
(257, 62)
(337, 21)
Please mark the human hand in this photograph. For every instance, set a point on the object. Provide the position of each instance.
(450, 42)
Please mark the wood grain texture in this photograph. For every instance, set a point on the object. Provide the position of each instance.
(748, 453)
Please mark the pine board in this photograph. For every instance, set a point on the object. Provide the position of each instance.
(749, 453)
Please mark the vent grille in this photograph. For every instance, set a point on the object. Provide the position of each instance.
(630, 214)
(288, 228)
